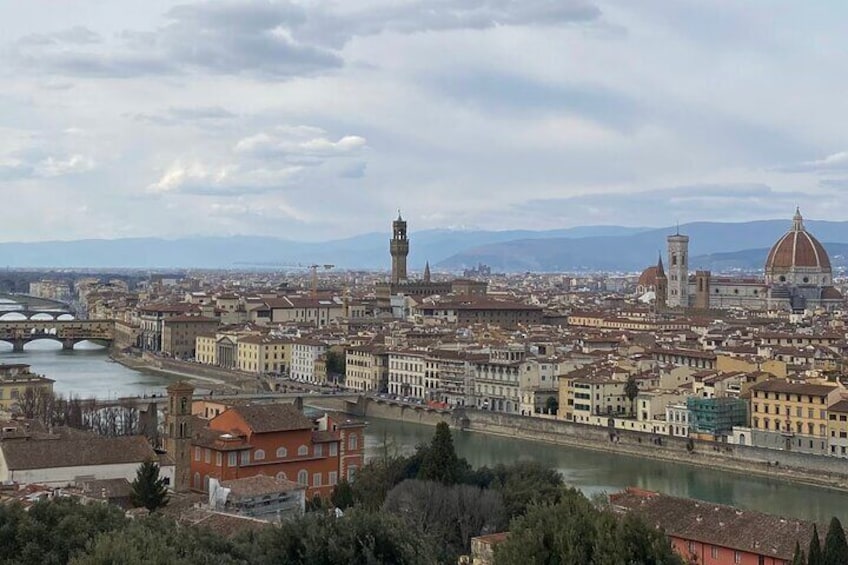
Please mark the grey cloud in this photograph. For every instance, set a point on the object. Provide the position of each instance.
(274, 40)
(833, 163)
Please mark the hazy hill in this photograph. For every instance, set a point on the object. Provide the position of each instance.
(635, 251)
(712, 244)
(369, 251)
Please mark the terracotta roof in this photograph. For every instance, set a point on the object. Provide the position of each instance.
(648, 277)
(780, 385)
(716, 524)
(75, 452)
(797, 248)
(265, 418)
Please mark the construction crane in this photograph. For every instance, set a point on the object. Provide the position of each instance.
(315, 277)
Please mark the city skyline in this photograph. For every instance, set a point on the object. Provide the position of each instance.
(315, 122)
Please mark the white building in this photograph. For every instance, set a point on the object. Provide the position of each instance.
(304, 354)
(62, 461)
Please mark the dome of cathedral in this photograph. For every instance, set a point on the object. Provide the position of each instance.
(797, 252)
(648, 278)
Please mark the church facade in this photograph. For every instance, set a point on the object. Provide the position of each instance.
(797, 276)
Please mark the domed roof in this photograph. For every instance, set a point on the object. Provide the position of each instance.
(648, 277)
(797, 248)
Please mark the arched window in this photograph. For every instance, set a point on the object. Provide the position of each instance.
(197, 481)
(259, 455)
(282, 453)
(206, 483)
(303, 477)
(281, 476)
(302, 451)
(183, 404)
(352, 442)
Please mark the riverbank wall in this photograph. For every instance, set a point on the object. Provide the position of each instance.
(786, 465)
(214, 378)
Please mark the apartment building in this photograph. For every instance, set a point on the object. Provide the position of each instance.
(496, 386)
(837, 429)
(179, 334)
(307, 357)
(262, 355)
(407, 370)
(367, 368)
(792, 415)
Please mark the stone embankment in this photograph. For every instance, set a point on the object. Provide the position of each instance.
(202, 376)
(786, 465)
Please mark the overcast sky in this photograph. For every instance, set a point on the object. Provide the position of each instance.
(314, 120)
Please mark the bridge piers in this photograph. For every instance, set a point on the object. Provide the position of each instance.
(68, 344)
(18, 346)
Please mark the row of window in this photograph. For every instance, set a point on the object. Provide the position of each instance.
(787, 410)
(281, 453)
(715, 552)
(776, 396)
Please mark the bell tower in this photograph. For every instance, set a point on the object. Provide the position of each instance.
(678, 271)
(399, 248)
(178, 433)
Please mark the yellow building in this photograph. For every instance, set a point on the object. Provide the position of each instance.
(837, 429)
(366, 368)
(264, 354)
(14, 382)
(778, 405)
(205, 349)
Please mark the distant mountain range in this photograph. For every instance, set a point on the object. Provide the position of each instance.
(713, 245)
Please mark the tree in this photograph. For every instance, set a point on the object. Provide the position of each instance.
(526, 483)
(148, 488)
(835, 546)
(342, 496)
(336, 365)
(798, 558)
(447, 515)
(440, 462)
(814, 555)
(552, 405)
(574, 532)
(631, 390)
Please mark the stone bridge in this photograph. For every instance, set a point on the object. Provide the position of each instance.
(66, 332)
(28, 314)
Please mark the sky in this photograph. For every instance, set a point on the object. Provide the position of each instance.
(314, 120)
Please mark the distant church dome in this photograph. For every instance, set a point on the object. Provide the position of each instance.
(798, 258)
(648, 278)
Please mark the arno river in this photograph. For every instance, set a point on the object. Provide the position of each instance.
(87, 372)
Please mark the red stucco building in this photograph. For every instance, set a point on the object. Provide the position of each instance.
(714, 534)
(277, 440)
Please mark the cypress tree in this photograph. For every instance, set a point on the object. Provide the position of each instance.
(835, 546)
(440, 462)
(148, 488)
(799, 558)
(814, 555)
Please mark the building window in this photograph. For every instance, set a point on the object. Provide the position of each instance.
(714, 552)
(232, 460)
(207, 456)
(737, 557)
(351, 473)
(332, 478)
(334, 449)
(318, 450)
(217, 458)
(302, 451)
(197, 481)
(259, 455)
(303, 477)
(316, 479)
(197, 454)
(282, 453)
(245, 457)
(281, 476)
(352, 442)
